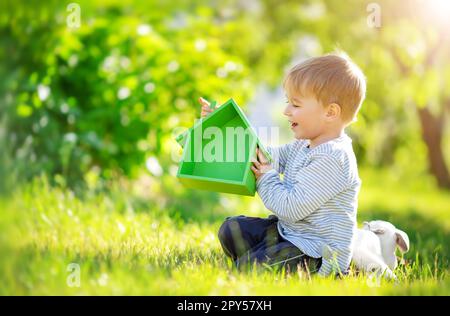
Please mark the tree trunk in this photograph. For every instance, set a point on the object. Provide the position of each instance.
(432, 130)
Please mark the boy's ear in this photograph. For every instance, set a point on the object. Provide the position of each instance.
(333, 111)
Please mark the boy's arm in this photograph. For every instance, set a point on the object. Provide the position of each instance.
(280, 155)
(315, 184)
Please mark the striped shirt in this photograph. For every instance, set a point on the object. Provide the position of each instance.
(316, 201)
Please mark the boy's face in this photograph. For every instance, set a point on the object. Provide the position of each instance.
(306, 116)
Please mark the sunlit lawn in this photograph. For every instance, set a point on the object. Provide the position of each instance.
(126, 247)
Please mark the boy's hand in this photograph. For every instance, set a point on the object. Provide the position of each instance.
(205, 107)
(261, 165)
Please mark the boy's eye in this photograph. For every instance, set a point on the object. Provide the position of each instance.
(292, 103)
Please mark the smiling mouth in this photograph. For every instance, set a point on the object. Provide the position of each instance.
(293, 124)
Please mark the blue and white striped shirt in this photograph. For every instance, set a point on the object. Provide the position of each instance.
(316, 202)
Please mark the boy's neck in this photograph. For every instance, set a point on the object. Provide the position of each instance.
(323, 138)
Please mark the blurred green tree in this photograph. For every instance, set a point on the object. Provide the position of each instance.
(110, 93)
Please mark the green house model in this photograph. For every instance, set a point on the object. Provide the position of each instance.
(217, 152)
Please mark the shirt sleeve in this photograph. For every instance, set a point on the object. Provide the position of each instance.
(280, 155)
(314, 185)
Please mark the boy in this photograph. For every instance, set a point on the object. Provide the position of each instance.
(315, 203)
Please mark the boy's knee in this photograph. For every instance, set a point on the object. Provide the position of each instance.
(224, 230)
(228, 226)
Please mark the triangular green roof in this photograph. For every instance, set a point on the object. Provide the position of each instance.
(181, 139)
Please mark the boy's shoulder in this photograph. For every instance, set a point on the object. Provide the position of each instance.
(340, 149)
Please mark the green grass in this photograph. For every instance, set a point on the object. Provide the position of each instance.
(129, 243)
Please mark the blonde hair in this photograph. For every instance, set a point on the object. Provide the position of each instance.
(332, 78)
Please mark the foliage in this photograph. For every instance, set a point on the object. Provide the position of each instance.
(111, 93)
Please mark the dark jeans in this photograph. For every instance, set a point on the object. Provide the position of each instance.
(252, 239)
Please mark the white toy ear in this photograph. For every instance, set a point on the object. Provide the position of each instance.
(378, 231)
(402, 240)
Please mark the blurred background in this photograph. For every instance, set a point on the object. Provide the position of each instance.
(93, 92)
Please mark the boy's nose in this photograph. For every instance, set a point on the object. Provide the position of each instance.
(286, 111)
